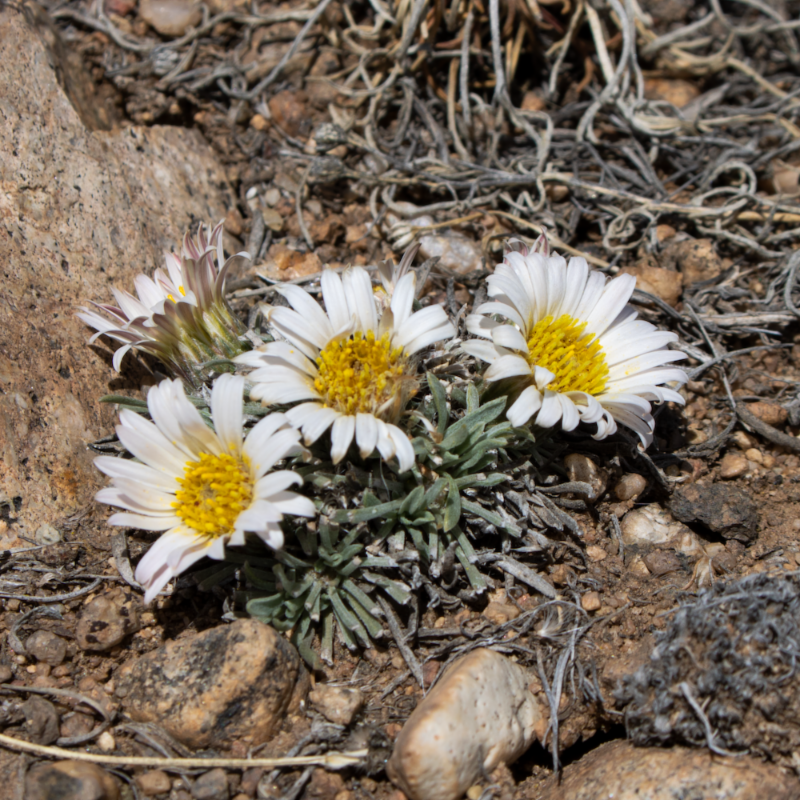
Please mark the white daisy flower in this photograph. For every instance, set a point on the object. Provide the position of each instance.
(571, 335)
(204, 488)
(352, 365)
(180, 316)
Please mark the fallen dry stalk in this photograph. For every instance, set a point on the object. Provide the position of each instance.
(329, 760)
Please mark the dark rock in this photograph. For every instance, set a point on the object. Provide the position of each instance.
(233, 683)
(624, 772)
(107, 620)
(47, 647)
(726, 510)
(41, 719)
(70, 780)
(727, 652)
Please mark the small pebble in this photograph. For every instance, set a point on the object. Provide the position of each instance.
(649, 525)
(581, 468)
(211, 785)
(6, 673)
(742, 440)
(500, 613)
(338, 704)
(47, 647)
(754, 456)
(170, 17)
(590, 601)
(155, 781)
(771, 413)
(596, 553)
(106, 742)
(629, 486)
(732, 466)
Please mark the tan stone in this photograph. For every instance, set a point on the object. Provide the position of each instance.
(480, 713)
(288, 110)
(771, 413)
(697, 260)
(663, 283)
(284, 264)
(338, 704)
(596, 553)
(500, 613)
(671, 90)
(624, 772)
(170, 17)
(81, 209)
(590, 601)
(732, 466)
(232, 683)
(629, 486)
(155, 781)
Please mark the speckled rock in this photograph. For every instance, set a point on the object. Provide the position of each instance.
(108, 619)
(338, 704)
(481, 713)
(232, 683)
(81, 208)
(70, 780)
(624, 772)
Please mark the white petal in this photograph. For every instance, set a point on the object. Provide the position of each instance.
(149, 445)
(272, 536)
(294, 504)
(335, 300)
(550, 412)
(569, 414)
(386, 445)
(507, 367)
(485, 351)
(276, 482)
(509, 336)
(403, 298)
(366, 434)
(308, 308)
(260, 434)
(644, 363)
(638, 346)
(317, 423)
(300, 331)
(227, 411)
(360, 298)
(503, 309)
(132, 470)
(577, 272)
(615, 296)
(282, 445)
(145, 523)
(524, 407)
(341, 437)
(402, 447)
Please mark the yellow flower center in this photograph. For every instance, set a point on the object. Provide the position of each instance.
(214, 491)
(574, 357)
(359, 374)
